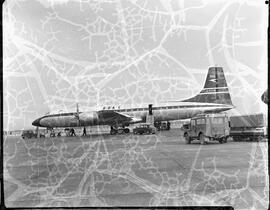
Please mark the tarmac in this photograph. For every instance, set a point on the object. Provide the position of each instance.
(134, 170)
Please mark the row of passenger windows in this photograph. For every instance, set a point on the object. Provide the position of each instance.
(138, 109)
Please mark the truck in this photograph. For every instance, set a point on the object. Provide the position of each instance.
(206, 128)
(31, 134)
(252, 127)
(162, 125)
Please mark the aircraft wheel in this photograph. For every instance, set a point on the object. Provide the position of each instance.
(202, 138)
(126, 130)
(112, 132)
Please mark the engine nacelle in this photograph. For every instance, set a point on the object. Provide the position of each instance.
(88, 117)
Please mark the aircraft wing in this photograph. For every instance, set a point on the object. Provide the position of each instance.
(114, 117)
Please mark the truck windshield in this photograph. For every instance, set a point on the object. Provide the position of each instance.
(217, 120)
(200, 121)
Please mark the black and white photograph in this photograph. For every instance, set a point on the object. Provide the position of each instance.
(135, 103)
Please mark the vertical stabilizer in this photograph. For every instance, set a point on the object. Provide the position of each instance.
(215, 89)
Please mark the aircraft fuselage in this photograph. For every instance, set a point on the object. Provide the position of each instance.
(161, 113)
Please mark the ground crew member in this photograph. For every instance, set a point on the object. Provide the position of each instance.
(72, 131)
(84, 132)
(168, 125)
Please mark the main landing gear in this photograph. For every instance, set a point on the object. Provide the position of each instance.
(115, 130)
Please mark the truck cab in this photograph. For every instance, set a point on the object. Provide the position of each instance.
(207, 127)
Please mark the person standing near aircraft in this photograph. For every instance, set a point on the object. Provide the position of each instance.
(72, 132)
(84, 132)
(168, 125)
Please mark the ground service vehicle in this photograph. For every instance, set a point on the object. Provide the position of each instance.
(144, 128)
(164, 125)
(207, 127)
(248, 127)
(30, 134)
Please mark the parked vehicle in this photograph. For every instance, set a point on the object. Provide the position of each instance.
(248, 127)
(207, 127)
(144, 128)
(31, 134)
(163, 125)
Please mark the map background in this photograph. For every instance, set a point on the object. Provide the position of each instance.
(95, 53)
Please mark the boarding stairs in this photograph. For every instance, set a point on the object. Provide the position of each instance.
(150, 119)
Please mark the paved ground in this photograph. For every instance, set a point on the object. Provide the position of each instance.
(132, 170)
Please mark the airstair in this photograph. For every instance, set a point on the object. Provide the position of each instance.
(150, 119)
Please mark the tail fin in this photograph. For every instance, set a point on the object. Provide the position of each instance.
(215, 89)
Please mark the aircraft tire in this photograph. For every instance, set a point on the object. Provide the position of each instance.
(220, 140)
(112, 132)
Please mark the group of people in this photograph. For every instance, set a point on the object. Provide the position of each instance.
(72, 132)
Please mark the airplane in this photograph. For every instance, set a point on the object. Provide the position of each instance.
(213, 98)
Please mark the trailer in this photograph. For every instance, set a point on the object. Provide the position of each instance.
(251, 127)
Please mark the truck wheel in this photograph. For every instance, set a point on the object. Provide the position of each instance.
(259, 138)
(112, 132)
(187, 138)
(202, 138)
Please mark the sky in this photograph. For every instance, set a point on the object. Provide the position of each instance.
(95, 53)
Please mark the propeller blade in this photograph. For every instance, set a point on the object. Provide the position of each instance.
(78, 114)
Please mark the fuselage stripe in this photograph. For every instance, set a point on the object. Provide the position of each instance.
(211, 93)
(138, 109)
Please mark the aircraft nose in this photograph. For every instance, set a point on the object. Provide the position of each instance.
(36, 122)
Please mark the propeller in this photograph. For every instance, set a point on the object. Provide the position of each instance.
(77, 114)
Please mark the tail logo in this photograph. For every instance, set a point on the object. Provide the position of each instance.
(215, 89)
(214, 80)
